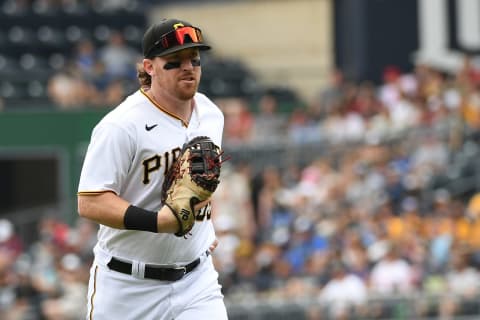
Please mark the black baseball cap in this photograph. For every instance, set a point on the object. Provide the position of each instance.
(171, 35)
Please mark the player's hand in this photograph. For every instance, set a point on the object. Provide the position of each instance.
(166, 221)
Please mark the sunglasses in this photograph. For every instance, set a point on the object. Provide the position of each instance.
(177, 37)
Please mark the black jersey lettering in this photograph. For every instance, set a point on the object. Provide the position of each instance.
(150, 165)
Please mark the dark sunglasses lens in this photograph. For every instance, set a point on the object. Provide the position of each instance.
(177, 37)
(181, 33)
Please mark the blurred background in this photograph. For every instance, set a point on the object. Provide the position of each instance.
(353, 126)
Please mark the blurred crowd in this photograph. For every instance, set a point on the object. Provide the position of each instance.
(340, 228)
(95, 76)
(46, 279)
(374, 215)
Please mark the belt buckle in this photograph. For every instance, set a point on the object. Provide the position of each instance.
(181, 268)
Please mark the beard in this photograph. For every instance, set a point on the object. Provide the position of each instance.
(186, 92)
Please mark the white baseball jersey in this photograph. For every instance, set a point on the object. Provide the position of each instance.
(130, 150)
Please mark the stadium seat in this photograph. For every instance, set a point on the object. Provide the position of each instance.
(57, 61)
(101, 34)
(12, 91)
(51, 37)
(36, 89)
(36, 66)
(74, 33)
(20, 35)
(133, 35)
(8, 66)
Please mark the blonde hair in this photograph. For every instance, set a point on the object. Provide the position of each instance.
(144, 78)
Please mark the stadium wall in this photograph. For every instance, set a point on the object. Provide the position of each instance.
(49, 139)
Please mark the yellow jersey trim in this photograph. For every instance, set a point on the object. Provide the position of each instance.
(185, 124)
(90, 316)
(92, 193)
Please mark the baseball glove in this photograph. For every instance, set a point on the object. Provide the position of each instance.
(192, 179)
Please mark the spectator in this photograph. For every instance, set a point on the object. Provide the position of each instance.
(238, 121)
(10, 243)
(267, 255)
(118, 57)
(71, 303)
(10, 303)
(68, 89)
(302, 244)
(392, 275)
(404, 113)
(245, 270)
(329, 96)
(234, 195)
(269, 125)
(389, 91)
(224, 256)
(463, 287)
(343, 125)
(344, 295)
(430, 158)
(85, 58)
(365, 101)
(302, 128)
(267, 199)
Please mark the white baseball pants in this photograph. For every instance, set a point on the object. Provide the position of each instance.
(114, 295)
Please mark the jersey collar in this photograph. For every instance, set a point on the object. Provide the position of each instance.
(184, 123)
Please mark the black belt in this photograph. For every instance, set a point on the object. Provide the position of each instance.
(154, 271)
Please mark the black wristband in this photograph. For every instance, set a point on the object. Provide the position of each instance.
(136, 218)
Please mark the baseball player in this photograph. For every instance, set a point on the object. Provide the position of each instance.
(142, 270)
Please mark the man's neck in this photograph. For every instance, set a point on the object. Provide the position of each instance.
(180, 108)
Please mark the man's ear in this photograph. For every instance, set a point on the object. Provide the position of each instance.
(148, 66)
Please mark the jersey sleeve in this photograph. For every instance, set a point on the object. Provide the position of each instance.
(108, 159)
